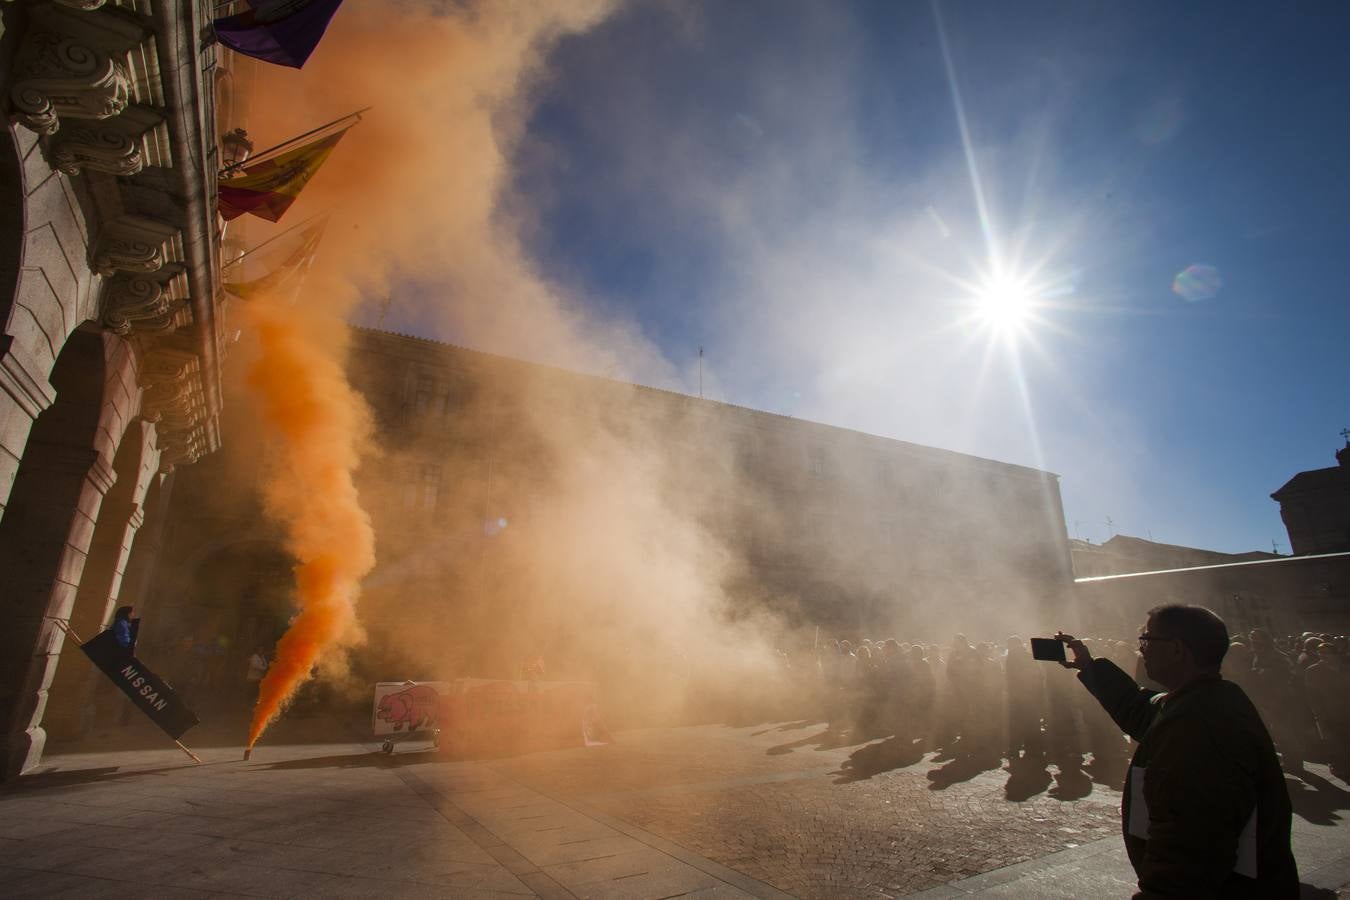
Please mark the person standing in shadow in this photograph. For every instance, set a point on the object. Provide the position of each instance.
(1205, 811)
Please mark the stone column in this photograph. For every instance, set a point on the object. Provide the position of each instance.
(70, 709)
(44, 539)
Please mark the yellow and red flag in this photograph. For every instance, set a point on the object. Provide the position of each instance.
(268, 188)
(283, 281)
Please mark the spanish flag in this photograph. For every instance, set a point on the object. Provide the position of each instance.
(268, 188)
(283, 282)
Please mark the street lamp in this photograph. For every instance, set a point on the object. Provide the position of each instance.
(237, 147)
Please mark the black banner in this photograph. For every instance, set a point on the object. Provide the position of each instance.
(147, 690)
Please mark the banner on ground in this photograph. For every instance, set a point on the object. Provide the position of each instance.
(151, 694)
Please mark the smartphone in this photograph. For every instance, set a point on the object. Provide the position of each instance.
(1047, 649)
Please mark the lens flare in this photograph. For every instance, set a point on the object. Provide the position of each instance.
(1196, 283)
(1004, 303)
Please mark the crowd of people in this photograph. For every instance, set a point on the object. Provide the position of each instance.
(986, 701)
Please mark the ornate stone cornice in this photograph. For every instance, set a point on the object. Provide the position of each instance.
(135, 245)
(100, 80)
(61, 76)
(121, 146)
(143, 303)
(174, 399)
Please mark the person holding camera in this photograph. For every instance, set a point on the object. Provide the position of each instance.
(1205, 812)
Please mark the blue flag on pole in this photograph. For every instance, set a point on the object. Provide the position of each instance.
(284, 32)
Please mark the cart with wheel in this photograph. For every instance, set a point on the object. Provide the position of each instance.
(408, 710)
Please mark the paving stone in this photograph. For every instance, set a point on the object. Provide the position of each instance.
(707, 812)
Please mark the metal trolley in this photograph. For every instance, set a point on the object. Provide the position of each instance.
(408, 710)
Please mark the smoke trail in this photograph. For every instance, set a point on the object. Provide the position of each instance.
(319, 426)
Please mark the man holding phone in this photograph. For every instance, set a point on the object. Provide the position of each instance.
(1205, 811)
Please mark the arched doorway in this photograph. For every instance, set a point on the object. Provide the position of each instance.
(232, 598)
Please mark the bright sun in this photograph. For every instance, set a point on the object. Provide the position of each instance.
(1003, 303)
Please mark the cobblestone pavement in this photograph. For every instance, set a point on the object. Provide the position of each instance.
(787, 807)
(704, 812)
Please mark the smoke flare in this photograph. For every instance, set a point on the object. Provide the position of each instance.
(319, 426)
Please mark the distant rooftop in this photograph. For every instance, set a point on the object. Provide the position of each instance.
(497, 357)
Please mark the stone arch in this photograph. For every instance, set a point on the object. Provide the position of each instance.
(227, 596)
(12, 210)
(65, 471)
(52, 290)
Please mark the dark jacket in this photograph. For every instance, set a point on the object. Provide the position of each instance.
(1209, 761)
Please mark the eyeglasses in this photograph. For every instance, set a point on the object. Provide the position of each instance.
(1146, 637)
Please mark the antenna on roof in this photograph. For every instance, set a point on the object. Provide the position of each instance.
(1110, 527)
(700, 371)
(387, 302)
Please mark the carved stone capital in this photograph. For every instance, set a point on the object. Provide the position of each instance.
(175, 400)
(119, 146)
(161, 365)
(140, 303)
(98, 147)
(136, 245)
(60, 76)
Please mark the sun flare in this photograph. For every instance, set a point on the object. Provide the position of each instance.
(1004, 303)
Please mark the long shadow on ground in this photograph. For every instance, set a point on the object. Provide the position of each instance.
(1316, 799)
(75, 777)
(896, 752)
(963, 768)
(829, 739)
(1027, 777)
(371, 760)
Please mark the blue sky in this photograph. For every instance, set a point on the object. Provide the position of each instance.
(786, 184)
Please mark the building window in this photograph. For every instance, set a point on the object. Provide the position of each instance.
(817, 462)
(421, 492)
(424, 400)
(431, 487)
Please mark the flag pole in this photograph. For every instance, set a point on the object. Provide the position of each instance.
(275, 237)
(65, 626)
(259, 157)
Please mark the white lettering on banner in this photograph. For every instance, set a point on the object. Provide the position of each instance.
(129, 672)
(137, 682)
(161, 704)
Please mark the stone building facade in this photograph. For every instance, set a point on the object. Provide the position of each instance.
(1315, 507)
(111, 325)
(1122, 554)
(1285, 594)
(856, 534)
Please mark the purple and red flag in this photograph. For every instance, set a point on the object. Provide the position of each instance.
(284, 32)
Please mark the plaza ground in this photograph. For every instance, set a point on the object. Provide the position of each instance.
(709, 811)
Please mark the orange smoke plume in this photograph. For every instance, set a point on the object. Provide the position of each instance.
(416, 192)
(318, 425)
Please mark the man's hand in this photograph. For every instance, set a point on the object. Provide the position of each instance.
(1081, 656)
